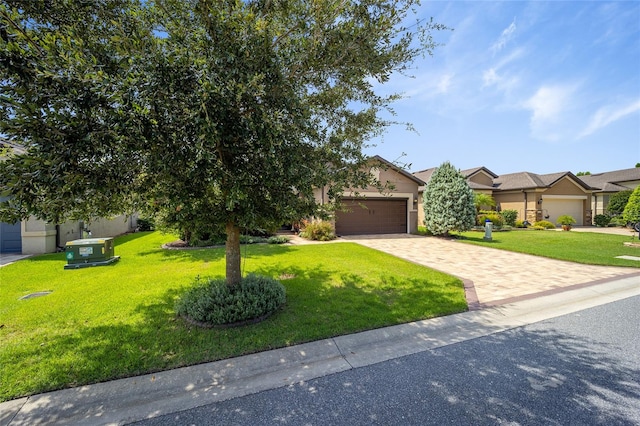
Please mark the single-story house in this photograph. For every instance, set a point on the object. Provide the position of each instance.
(368, 211)
(544, 197)
(34, 236)
(608, 183)
(535, 197)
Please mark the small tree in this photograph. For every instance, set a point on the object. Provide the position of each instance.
(617, 202)
(483, 200)
(631, 211)
(448, 202)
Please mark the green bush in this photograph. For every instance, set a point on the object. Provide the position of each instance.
(318, 231)
(145, 224)
(631, 212)
(448, 201)
(509, 217)
(618, 201)
(618, 221)
(494, 217)
(520, 224)
(212, 302)
(565, 220)
(278, 239)
(602, 220)
(544, 224)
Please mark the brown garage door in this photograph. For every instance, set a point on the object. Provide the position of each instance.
(388, 216)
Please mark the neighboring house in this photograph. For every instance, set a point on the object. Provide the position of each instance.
(35, 236)
(544, 197)
(535, 197)
(368, 211)
(608, 183)
(480, 179)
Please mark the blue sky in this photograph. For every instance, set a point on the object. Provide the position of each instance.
(523, 86)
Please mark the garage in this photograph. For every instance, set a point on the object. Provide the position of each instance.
(554, 207)
(10, 238)
(372, 216)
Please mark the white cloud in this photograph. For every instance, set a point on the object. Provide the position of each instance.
(507, 34)
(490, 77)
(444, 83)
(493, 76)
(549, 107)
(607, 115)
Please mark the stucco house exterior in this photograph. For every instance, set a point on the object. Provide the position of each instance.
(34, 236)
(368, 211)
(544, 197)
(608, 183)
(535, 197)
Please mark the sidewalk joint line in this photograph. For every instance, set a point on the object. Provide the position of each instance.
(351, 367)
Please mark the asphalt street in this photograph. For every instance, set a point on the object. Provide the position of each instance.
(578, 369)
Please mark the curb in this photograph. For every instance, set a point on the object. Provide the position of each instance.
(127, 400)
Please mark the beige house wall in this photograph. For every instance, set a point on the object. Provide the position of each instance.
(482, 179)
(40, 237)
(402, 187)
(568, 188)
(511, 201)
(526, 203)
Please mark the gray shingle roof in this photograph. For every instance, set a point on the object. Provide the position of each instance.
(611, 181)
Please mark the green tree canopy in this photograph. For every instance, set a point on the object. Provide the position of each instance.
(617, 202)
(448, 201)
(204, 112)
(631, 211)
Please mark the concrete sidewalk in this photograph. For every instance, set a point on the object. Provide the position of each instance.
(127, 400)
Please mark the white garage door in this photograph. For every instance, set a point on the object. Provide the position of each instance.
(554, 207)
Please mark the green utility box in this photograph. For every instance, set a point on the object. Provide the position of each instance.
(89, 252)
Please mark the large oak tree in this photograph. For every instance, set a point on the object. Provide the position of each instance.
(223, 113)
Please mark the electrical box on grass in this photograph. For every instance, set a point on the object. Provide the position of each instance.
(89, 252)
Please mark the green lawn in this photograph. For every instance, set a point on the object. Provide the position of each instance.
(115, 321)
(581, 247)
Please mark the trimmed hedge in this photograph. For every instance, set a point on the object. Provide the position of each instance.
(212, 302)
(494, 217)
(602, 220)
(545, 224)
(509, 217)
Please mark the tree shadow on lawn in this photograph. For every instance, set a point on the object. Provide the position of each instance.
(320, 304)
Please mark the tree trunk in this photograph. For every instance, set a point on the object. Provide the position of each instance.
(232, 249)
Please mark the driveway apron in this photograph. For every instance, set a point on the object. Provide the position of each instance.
(497, 276)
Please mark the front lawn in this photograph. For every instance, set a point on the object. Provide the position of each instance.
(581, 247)
(115, 321)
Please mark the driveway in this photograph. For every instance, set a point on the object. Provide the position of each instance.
(491, 276)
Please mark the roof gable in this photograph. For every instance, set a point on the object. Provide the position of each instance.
(392, 166)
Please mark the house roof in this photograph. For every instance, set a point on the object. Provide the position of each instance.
(398, 169)
(528, 180)
(612, 181)
(470, 172)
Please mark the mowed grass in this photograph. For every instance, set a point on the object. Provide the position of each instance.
(581, 247)
(116, 321)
